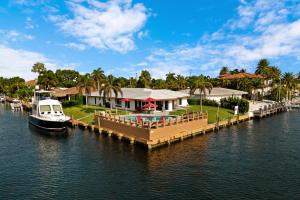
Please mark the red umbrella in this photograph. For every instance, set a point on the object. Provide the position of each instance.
(150, 105)
(126, 99)
(149, 99)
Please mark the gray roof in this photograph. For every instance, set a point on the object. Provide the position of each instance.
(144, 93)
(218, 91)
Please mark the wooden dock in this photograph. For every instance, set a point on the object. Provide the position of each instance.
(159, 133)
(153, 134)
(270, 110)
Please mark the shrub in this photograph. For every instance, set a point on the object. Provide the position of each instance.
(205, 102)
(71, 103)
(231, 102)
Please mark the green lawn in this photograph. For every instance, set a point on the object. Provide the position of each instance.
(86, 113)
(212, 112)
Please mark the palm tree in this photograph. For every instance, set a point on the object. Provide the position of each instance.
(203, 86)
(107, 89)
(86, 85)
(144, 79)
(290, 82)
(224, 70)
(261, 66)
(98, 76)
(181, 82)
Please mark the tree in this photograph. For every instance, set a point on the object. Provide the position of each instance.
(47, 80)
(261, 66)
(203, 86)
(98, 76)
(158, 84)
(86, 85)
(290, 82)
(181, 82)
(224, 70)
(171, 81)
(67, 78)
(132, 82)
(107, 89)
(144, 79)
(38, 68)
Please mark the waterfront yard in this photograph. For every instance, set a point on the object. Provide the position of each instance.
(86, 113)
(212, 112)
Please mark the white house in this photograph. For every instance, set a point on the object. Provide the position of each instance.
(218, 93)
(166, 100)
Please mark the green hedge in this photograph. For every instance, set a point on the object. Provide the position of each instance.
(71, 103)
(205, 102)
(231, 102)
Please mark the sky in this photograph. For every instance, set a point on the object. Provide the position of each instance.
(123, 37)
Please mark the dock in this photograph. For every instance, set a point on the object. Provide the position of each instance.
(159, 133)
(272, 109)
(153, 134)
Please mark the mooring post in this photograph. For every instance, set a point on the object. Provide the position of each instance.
(99, 130)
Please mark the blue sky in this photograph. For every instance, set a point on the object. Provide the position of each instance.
(125, 36)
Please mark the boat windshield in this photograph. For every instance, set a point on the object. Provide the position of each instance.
(56, 108)
(45, 108)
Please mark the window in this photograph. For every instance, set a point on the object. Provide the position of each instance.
(57, 108)
(118, 102)
(45, 108)
(127, 104)
(180, 101)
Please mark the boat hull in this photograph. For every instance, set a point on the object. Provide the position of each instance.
(53, 126)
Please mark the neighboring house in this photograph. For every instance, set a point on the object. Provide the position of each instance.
(217, 94)
(65, 93)
(166, 100)
(240, 75)
(31, 83)
(267, 83)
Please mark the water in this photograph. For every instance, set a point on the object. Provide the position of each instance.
(254, 160)
(150, 118)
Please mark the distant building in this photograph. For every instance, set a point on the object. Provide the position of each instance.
(166, 100)
(267, 83)
(65, 93)
(217, 93)
(31, 83)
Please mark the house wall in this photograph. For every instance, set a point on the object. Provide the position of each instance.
(218, 98)
(184, 102)
(99, 101)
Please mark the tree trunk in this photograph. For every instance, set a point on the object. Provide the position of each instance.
(201, 102)
(86, 100)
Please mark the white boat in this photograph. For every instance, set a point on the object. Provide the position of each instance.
(2, 98)
(47, 113)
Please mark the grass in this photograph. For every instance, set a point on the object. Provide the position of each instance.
(86, 113)
(212, 112)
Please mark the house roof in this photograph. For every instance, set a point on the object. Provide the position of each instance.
(144, 93)
(62, 92)
(218, 91)
(31, 83)
(240, 75)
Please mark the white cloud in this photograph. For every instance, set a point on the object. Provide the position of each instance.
(14, 36)
(104, 25)
(29, 23)
(18, 62)
(143, 34)
(262, 29)
(73, 45)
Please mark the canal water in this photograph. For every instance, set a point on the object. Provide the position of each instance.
(253, 160)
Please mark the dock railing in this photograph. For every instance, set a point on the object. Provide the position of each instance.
(149, 124)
